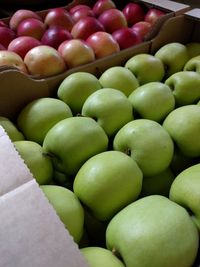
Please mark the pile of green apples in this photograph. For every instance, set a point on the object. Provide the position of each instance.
(118, 157)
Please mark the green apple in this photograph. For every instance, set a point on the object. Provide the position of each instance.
(40, 115)
(119, 78)
(72, 141)
(181, 162)
(112, 176)
(148, 143)
(185, 191)
(39, 164)
(183, 125)
(153, 100)
(193, 64)
(67, 207)
(158, 184)
(153, 232)
(76, 88)
(146, 68)
(185, 86)
(100, 257)
(198, 103)
(11, 129)
(193, 49)
(174, 56)
(110, 108)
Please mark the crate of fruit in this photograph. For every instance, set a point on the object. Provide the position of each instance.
(63, 38)
(115, 149)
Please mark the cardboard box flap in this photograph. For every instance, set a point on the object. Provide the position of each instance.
(17, 89)
(193, 13)
(168, 5)
(31, 234)
(13, 171)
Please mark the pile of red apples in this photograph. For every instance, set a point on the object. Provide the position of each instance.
(46, 45)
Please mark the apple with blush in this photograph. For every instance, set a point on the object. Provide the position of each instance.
(133, 12)
(102, 5)
(6, 36)
(85, 27)
(71, 51)
(82, 12)
(21, 15)
(126, 37)
(12, 59)
(60, 17)
(153, 15)
(22, 44)
(31, 27)
(55, 35)
(103, 44)
(112, 20)
(44, 61)
(142, 28)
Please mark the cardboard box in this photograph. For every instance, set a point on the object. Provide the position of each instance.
(171, 8)
(23, 220)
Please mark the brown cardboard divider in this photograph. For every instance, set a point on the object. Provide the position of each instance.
(31, 234)
(17, 89)
(181, 29)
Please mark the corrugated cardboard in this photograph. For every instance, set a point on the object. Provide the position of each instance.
(31, 234)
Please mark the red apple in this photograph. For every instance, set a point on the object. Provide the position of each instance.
(21, 45)
(3, 24)
(6, 36)
(102, 5)
(76, 52)
(103, 44)
(126, 38)
(59, 17)
(9, 58)
(31, 27)
(85, 27)
(77, 7)
(55, 35)
(153, 15)
(44, 61)
(133, 12)
(142, 28)
(112, 20)
(82, 12)
(20, 15)
(2, 47)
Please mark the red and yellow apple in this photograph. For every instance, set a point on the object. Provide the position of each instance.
(44, 61)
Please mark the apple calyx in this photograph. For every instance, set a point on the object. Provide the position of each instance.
(48, 154)
(127, 151)
(116, 253)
